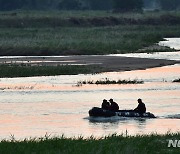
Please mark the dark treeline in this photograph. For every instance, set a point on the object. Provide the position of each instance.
(167, 5)
(118, 5)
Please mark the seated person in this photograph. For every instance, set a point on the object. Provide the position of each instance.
(105, 105)
(141, 108)
(114, 106)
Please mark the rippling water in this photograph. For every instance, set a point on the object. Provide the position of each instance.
(35, 106)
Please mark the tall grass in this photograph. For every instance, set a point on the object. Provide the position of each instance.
(81, 40)
(139, 144)
(24, 15)
(83, 32)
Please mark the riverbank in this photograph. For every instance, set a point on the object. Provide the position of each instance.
(85, 18)
(43, 33)
(70, 65)
(111, 144)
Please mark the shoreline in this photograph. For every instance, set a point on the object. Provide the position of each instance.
(74, 65)
(109, 144)
(105, 63)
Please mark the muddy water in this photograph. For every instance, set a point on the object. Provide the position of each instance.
(55, 105)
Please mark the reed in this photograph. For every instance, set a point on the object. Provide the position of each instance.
(86, 41)
(152, 143)
(76, 33)
(107, 81)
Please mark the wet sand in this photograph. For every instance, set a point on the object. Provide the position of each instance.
(106, 63)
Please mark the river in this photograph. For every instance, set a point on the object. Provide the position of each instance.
(55, 105)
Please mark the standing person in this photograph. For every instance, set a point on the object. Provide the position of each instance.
(105, 105)
(141, 108)
(114, 106)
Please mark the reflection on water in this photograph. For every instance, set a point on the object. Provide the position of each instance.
(35, 106)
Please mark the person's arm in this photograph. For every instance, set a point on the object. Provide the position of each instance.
(137, 108)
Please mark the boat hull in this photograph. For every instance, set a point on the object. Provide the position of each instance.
(99, 112)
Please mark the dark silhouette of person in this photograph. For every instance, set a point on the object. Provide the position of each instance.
(114, 106)
(105, 105)
(141, 108)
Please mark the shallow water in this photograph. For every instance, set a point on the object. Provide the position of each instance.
(171, 42)
(35, 106)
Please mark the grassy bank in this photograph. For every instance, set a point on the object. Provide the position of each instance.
(76, 33)
(86, 41)
(24, 19)
(29, 71)
(145, 144)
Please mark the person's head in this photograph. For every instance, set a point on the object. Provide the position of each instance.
(111, 100)
(139, 100)
(104, 100)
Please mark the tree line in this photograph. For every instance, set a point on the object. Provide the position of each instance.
(118, 5)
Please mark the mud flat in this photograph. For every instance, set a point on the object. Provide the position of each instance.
(104, 63)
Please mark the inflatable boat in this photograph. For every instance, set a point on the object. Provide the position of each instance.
(99, 112)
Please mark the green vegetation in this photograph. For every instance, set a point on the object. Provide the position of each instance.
(78, 32)
(138, 144)
(169, 4)
(108, 81)
(128, 5)
(55, 4)
(69, 4)
(28, 71)
(176, 80)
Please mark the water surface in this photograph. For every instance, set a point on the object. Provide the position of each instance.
(171, 42)
(35, 106)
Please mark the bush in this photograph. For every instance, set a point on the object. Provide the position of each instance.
(69, 5)
(11, 4)
(169, 4)
(128, 5)
(100, 4)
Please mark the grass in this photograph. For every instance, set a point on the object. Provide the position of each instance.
(29, 71)
(22, 19)
(82, 41)
(108, 81)
(139, 144)
(78, 13)
(83, 33)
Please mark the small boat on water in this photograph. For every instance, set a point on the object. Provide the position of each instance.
(99, 112)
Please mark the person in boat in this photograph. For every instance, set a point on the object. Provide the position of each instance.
(105, 105)
(114, 106)
(141, 108)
